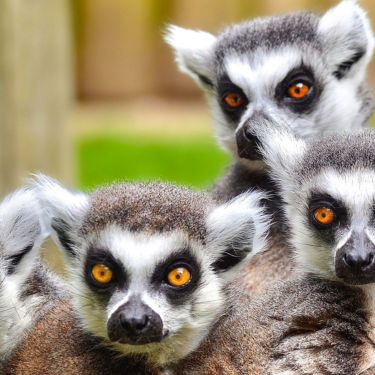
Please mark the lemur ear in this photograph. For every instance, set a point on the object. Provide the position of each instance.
(193, 51)
(21, 232)
(347, 39)
(236, 231)
(63, 212)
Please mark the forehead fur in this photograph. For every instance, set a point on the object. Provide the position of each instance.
(148, 207)
(270, 33)
(342, 152)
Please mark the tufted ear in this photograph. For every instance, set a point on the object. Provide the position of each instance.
(193, 51)
(347, 39)
(21, 233)
(236, 231)
(63, 212)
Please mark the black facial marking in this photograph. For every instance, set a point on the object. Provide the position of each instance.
(318, 200)
(183, 258)
(15, 259)
(304, 75)
(103, 256)
(62, 230)
(224, 87)
(135, 323)
(344, 67)
(231, 257)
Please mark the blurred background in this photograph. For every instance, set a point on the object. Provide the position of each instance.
(89, 92)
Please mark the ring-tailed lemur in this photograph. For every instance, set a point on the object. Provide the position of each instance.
(301, 69)
(39, 333)
(323, 322)
(328, 186)
(148, 262)
(21, 236)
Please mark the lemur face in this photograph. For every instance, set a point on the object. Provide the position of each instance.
(333, 224)
(149, 292)
(300, 69)
(148, 263)
(328, 186)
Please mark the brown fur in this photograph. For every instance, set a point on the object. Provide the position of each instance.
(276, 263)
(57, 345)
(264, 337)
(280, 321)
(148, 207)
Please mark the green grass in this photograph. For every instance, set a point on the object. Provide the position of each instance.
(195, 161)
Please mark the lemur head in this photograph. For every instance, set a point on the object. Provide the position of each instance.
(21, 236)
(148, 262)
(328, 185)
(301, 69)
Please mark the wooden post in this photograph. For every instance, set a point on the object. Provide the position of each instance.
(35, 90)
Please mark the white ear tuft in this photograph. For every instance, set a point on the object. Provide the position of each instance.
(21, 232)
(236, 231)
(62, 210)
(193, 50)
(347, 39)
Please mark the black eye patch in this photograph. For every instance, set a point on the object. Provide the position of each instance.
(319, 200)
(103, 256)
(232, 99)
(180, 259)
(299, 90)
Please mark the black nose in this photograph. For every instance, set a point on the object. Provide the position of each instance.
(355, 261)
(135, 323)
(358, 262)
(247, 144)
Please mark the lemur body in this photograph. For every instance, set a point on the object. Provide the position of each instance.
(323, 321)
(147, 237)
(300, 69)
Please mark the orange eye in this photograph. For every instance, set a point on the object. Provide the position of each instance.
(179, 277)
(101, 273)
(324, 215)
(234, 100)
(298, 91)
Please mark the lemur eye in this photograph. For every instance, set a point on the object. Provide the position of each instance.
(299, 90)
(324, 216)
(101, 273)
(234, 100)
(178, 277)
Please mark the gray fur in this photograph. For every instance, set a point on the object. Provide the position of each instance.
(301, 327)
(148, 207)
(342, 152)
(269, 33)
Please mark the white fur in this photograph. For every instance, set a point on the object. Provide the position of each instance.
(140, 253)
(20, 227)
(193, 50)
(344, 29)
(242, 222)
(356, 190)
(58, 202)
